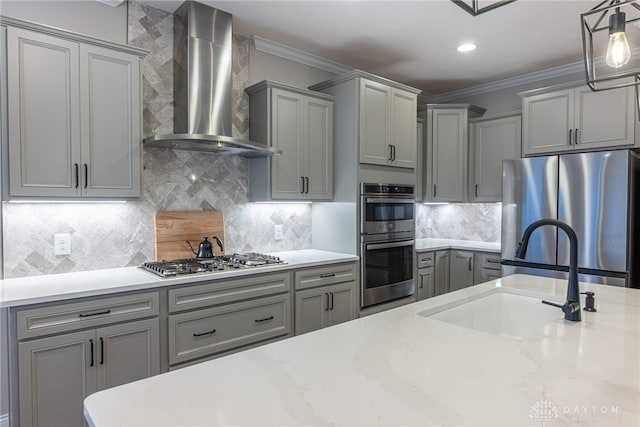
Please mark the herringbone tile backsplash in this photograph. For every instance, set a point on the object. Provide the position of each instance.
(111, 235)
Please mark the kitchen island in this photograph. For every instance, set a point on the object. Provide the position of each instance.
(401, 367)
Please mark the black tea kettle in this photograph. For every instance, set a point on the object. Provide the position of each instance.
(205, 249)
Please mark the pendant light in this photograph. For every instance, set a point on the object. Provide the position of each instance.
(618, 52)
(608, 26)
(473, 6)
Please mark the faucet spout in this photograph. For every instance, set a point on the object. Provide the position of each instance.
(571, 307)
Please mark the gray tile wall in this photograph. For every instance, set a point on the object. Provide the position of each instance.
(465, 221)
(111, 235)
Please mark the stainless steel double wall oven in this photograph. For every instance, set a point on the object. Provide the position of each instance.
(387, 233)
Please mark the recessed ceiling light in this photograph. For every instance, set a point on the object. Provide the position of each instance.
(466, 47)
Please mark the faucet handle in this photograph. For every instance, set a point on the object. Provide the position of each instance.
(589, 302)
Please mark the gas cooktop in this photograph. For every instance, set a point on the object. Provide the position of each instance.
(210, 265)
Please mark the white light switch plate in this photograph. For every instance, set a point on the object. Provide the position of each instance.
(277, 232)
(62, 244)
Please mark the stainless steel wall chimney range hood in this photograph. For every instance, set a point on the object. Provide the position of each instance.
(202, 70)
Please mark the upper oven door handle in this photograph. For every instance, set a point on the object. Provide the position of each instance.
(388, 200)
(372, 246)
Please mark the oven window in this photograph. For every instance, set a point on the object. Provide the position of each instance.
(388, 266)
(388, 211)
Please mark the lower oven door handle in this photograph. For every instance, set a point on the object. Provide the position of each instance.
(372, 246)
(376, 200)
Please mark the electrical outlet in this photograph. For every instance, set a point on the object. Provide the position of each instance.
(62, 244)
(429, 222)
(277, 232)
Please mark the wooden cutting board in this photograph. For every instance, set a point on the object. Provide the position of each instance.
(174, 228)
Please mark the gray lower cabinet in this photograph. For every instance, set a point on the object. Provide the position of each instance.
(425, 280)
(487, 267)
(73, 117)
(214, 318)
(324, 296)
(448, 270)
(441, 272)
(461, 270)
(206, 332)
(67, 351)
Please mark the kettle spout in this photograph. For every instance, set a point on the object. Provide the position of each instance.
(191, 247)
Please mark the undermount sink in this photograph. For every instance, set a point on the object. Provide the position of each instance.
(499, 312)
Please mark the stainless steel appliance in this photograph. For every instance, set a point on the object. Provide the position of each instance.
(202, 47)
(211, 265)
(596, 194)
(387, 235)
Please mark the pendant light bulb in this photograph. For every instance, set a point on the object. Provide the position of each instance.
(618, 51)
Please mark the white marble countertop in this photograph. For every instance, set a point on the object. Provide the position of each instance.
(400, 368)
(59, 287)
(469, 245)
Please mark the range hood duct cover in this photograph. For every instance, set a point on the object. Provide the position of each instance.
(202, 85)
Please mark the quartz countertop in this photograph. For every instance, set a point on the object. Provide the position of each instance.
(469, 245)
(401, 368)
(59, 287)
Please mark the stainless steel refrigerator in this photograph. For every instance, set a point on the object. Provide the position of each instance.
(597, 194)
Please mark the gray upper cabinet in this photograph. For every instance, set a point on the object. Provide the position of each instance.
(492, 141)
(420, 128)
(577, 119)
(387, 125)
(446, 164)
(74, 117)
(299, 123)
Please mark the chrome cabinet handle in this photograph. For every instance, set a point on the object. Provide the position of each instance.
(264, 320)
(326, 307)
(86, 175)
(393, 152)
(302, 184)
(101, 351)
(213, 331)
(434, 190)
(331, 307)
(77, 175)
(476, 190)
(390, 152)
(570, 133)
(324, 276)
(306, 179)
(91, 352)
(470, 263)
(576, 137)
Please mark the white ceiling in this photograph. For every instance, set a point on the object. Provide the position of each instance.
(414, 42)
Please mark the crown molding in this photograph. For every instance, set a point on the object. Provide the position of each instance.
(549, 73)
(274, 48)
(283, 51)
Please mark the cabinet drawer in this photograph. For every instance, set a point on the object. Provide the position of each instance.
(205, 332)
(67, 317)
(226, 291)
(489, 261)
(323, 276)
(424, 259)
